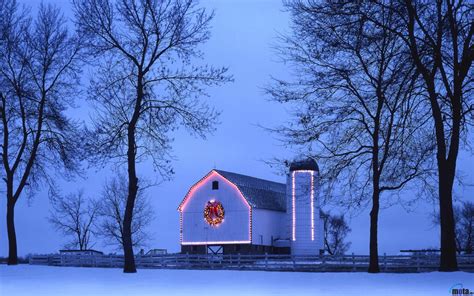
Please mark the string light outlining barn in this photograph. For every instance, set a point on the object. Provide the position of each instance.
(226, 212)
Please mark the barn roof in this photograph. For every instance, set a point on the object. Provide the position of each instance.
(260, 193)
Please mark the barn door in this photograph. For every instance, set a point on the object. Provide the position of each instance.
(215, 250)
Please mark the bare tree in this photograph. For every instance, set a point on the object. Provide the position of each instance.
(335, 233)
(112, 207)
(38, 72)
(75, 216)
(148, 83)
(356, 107)
(439, 35)
(464, 221)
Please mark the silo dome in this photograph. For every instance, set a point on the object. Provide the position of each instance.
(304, 164)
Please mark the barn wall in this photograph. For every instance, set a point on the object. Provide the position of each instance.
(267, 224)
(235, 226)
(320, 233)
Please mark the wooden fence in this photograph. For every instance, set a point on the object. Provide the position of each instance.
(267, 262)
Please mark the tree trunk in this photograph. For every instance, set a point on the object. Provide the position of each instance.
(448, 260)
(374, 213)
(374, 216)
(129, 264)
(446, 161)
(12, 247)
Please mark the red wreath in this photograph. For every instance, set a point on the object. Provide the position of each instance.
(214, 213)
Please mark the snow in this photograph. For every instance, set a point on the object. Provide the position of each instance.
(72, 281)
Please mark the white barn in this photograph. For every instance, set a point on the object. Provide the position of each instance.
(233, 213)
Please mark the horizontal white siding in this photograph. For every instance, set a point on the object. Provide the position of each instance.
(267, 224)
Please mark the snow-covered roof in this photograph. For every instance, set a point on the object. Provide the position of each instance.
(260, 193)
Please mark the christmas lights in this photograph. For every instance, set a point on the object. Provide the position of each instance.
(293, 194)
(293, 190)
(180, 226)
(216, 243)
(312, 206)
(191, 192)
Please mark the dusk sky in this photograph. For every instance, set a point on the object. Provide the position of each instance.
(243, 35)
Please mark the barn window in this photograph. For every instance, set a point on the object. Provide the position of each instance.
(215, 185)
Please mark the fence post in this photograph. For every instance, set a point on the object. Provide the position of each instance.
(353, 262)
(187, 259)
(323, 265)
(417, 256)
(239, 260)
(294, 263)
(385, 262)
(266, 260)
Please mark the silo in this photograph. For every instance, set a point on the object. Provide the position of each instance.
(303, 208)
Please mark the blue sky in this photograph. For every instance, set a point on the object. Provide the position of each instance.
(243, 34)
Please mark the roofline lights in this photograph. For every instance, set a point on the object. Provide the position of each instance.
(293, 207)
(196, 187)
(200, 183)
(216, 243)
(312, 206)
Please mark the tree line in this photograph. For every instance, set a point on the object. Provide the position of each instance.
(382, 96)
(148, 80)
(86, 220)
(381, 91)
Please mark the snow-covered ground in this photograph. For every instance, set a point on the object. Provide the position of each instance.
(72, 281)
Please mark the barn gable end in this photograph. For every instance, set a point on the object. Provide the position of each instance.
(204, 180)
(236, 224)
